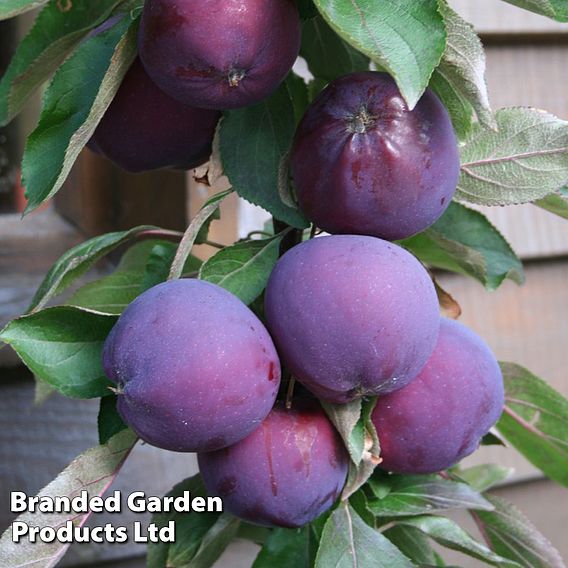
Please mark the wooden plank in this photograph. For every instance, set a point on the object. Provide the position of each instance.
(492, 17)
(526, 325)
(99, 197)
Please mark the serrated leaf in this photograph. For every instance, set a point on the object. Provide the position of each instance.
(54, 35)
(535, 421)
(524, 160)
(111, 294)
(513, 536)
(450, 535)
(287, 548)
(464, 241)
(63, 347)
(421, 494)
(11, 8)
(326, 54)
(485, 476)
(93, 471)
(407, 38)
(189, 238)
(556, 203)
(243, 268)
(76, 99)
(109, 422)
(200, 538)
(254, 141)
(460, 110)
(413, 544)
(76, 261)
(348, 542)
(462, 66)
(354, 424)
(555, 9)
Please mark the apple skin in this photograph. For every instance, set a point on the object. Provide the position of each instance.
(219, 54)
(195, 368)
(441, 416)
(286, 473)
(364, 164)
(351, 316)
(144, 129)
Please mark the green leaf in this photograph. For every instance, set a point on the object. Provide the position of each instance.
(63, 347)
(354, 424)
(464, 241)
(254, 145)
(524, 160)
(556, 203)
(200, 538)
(555, 9)
(447, 533)
(75, 101)
(348, 542)
(191, 234)
(412, 543)
(109, 421)
(535, 421)
(111, 294)
(287, 548)
(298, 91)
(407, 38)
(94, 472)
(76, 261)
(460, 77)
(326, 54)
(421, 494)
(54, 35)
(243, 268)
(159, 264)
(485, 476)
(11, 8)
(513, 536)
(307, 9)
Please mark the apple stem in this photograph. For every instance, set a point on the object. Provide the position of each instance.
(290, 393)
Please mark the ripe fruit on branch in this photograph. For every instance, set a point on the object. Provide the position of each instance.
(219, 53)
(352, 315)
(286, 473)
(364, 164)
(442, 415)
(144, 129)
(195, 368)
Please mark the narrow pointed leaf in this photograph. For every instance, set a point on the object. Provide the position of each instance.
(75, 101)
(348, 542)
(93, 471)
(54, 35)
(535, 421)
(555, 9)
(11, 8)
(513, 536)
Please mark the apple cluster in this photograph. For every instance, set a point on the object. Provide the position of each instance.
(351, 315)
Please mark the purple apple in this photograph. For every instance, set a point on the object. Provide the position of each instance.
(285, 474)
(351, 316)
(442, 415)
(219, 53)
(145, 129)
(194, 368)
(363, 163)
